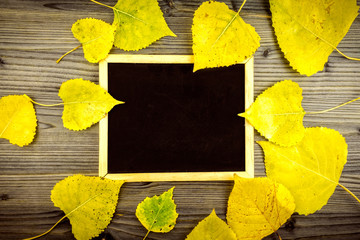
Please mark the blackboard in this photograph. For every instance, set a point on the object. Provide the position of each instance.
(175, 124)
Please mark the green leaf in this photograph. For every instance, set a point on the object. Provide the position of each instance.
(85, 103)
(18, 119)
(310, 170)
(309, 30)
(139, 24)
(96, 37)
(212, 228)
(158, 214)
(221, 37)
(88, 202)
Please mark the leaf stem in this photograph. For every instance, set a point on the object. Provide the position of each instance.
(241, 6)
(57, 61)
(47, 230)
(228, 25)
(102, 4)
(350, 58)
(46, 105)
(347, 190)
(146, 234)
(278, 235)
(63, 218)
(330, 109)
(76, 102)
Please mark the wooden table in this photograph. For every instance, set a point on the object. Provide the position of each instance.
(33, 34)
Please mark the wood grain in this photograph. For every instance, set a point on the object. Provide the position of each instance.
(34, 34)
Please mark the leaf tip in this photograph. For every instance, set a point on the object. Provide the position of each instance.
(213, 212)
(172, 34)
(171, 190)
(242, 114)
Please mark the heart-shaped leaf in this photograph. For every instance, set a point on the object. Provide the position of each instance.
(212, 228)
(139, 24)
(309, 30)
(310, 170)
(158, 213)
(85, 103)
(18, 119)
(96, 37)
(221, 37)
(88, 202)
(277, 113)
(257, 207)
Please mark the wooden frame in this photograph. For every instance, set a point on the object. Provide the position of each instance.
(177, 176)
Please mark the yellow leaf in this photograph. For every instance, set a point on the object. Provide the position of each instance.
(139, 23)
(18, 119)
(96, 37)
(257, 207)
(309, 30)
(158, 213)
(212, 228)
(88, 202)
(85, 103)
(277, 113)
(311, 169)
(221, 37)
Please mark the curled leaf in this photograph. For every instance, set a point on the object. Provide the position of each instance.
(158, 213)
(88, 202)
(18, 119)
(309, 30)
(96, 37)
(257, 207)
(221, 37)
(277, 113)
(139, 24)
(310, 170)
(212, 228)
(85, 103)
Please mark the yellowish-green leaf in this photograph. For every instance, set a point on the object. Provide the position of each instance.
(158, 213)
(85, 103)
(257, 207)
(18, 119)
(309, 30)
(96, 37)
(311, 169)
(88, 202)
(212, 228)
(277, 113)
(221, 37)
(139, 23)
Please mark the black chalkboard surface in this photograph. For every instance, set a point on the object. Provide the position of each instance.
(174, 120)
